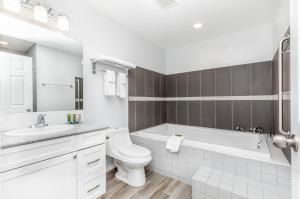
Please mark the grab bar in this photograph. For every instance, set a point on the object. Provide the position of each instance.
(284, 139)
(280, 100)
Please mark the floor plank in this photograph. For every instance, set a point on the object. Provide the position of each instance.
(156, 187)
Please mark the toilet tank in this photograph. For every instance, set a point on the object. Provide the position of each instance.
(117, 138)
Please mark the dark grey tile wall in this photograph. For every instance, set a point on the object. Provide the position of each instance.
(223, 81)
(261, 80)
(145, 114)
(182, 112)
(224, 115)
(208, 114)
(194, 111)
(194, 83)
(242, 114)
(241, 80)
(208, 79)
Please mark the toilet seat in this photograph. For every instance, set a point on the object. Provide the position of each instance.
(134, 151)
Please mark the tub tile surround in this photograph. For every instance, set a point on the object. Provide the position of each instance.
(184, 165)
(146, 113)
(222, 98)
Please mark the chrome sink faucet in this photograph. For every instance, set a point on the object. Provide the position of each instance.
(41, 122)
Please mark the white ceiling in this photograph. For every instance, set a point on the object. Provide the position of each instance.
(15, 44)
(174, 27)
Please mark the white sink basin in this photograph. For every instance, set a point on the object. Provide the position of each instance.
(52, 129)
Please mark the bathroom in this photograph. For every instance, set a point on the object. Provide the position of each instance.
(149, 99)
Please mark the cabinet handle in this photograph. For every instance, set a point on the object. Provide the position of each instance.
(74, 157)
(89, 163)
(96, 187)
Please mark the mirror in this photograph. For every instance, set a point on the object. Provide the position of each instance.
(40, 70)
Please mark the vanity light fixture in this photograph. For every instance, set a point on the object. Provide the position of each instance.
(197, 26)
(12, 5)
(40, 13)
(63, 23)
(3, 43)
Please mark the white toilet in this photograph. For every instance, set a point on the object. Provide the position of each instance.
(130, 159)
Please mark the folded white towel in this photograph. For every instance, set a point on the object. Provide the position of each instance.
(122, 85)
(109, 83)
(110, 75)
(173, 143)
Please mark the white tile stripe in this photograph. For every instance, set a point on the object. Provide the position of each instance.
(211, 98)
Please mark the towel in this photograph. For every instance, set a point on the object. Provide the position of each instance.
(121, 85)
(173, 143)
(109, 83)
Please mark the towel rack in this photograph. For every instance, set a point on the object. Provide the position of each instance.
(114, 62)
(61, 85)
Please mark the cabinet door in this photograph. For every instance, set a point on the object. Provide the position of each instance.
(49, 179)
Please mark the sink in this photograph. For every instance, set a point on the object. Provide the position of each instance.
(47, 130)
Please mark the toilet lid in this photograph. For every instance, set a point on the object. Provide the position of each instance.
(133, 150)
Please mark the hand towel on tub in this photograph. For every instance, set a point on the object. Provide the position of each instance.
(109, 83)
(173, 143)
(121, 85)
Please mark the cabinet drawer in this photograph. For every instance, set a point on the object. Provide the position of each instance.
(90, 139)
(28, 154)
(91, 160)
(92, 186)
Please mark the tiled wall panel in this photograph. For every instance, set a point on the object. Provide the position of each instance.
(253, 79)
(145, 114)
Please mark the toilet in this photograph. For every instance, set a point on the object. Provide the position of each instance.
(130, 159)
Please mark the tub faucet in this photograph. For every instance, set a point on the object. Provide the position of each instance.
(258, 130)
(239, 128)
(41, 122)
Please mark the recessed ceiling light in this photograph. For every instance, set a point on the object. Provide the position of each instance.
(3, 43)
(197, 26)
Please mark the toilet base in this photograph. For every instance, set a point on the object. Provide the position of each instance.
(134, 177)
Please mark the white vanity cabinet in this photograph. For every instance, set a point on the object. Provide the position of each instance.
(64, 168)
(54, 178)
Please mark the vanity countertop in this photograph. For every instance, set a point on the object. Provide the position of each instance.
(14, 141)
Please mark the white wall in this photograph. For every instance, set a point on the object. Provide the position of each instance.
(252, 45)
(281, 21)
(101, 35)
(55, 66)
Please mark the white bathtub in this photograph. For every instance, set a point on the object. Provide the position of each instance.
(247, 145)
(231, 152)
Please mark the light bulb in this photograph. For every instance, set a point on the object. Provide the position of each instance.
(197, 26)
(12, 5)
(40, 13)
(63, 23)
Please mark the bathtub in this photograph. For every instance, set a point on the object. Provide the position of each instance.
(242, 154)
(247, 145)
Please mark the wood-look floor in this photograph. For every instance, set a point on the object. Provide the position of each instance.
(156, 187)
